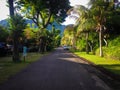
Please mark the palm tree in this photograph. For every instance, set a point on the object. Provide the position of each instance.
(85, 23)
(99, 15)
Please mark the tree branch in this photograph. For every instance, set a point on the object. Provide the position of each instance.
(43, 21)
(48, 20)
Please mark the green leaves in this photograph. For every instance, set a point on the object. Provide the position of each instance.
(41, 11)
(17, 23)
(3, 34)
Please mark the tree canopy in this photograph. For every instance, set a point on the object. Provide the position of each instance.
(41, 11)
(99, 22)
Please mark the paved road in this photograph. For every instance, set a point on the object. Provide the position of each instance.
(59, 70)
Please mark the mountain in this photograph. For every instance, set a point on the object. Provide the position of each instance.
(4, 23)
(57, 26)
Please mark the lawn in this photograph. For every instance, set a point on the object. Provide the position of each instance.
(111, 65)
(8, 68)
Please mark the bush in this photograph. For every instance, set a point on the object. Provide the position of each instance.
(105, 50)
(115, 42)
(115, 54)
(81, 45)
(112, 51)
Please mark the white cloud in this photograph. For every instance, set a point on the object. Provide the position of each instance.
(78, 2)
(69, 20)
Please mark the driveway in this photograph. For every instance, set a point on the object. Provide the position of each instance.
(60, 70)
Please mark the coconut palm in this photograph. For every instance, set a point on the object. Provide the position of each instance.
(85, 23)
(99, 15)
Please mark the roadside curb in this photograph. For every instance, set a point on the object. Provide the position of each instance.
(102, 69)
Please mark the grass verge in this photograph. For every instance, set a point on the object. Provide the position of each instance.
(111, 65)
(9, 68)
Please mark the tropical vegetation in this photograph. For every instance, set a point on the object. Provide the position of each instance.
(96, 29)
(36, 37)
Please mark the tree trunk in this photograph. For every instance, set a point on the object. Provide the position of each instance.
(74, 41)
(42, 44)
(87, 35)
(106, 43)
(91, 48)
(11, 8)
(100, 42)
(16, 57)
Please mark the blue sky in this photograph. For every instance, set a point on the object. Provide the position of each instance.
(4, 11)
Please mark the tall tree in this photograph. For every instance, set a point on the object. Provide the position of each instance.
(11, 7)
(84, 23)
(17, 24)
(43, 12)
(112, 21)
(98, 10)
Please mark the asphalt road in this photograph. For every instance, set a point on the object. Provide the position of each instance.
(60, 70)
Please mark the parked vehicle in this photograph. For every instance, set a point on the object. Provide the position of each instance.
(66, 47)
(3, 49)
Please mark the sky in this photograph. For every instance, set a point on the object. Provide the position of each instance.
(4, 11)
(70, 20)
(78, 2)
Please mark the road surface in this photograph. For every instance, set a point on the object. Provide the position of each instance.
(60, 70)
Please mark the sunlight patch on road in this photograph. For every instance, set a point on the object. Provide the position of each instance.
(70, 59)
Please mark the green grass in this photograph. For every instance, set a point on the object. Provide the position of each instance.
(111, 65)
(9, 68)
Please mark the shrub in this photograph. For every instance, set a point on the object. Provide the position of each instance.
(113, 49)
(115, 54)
